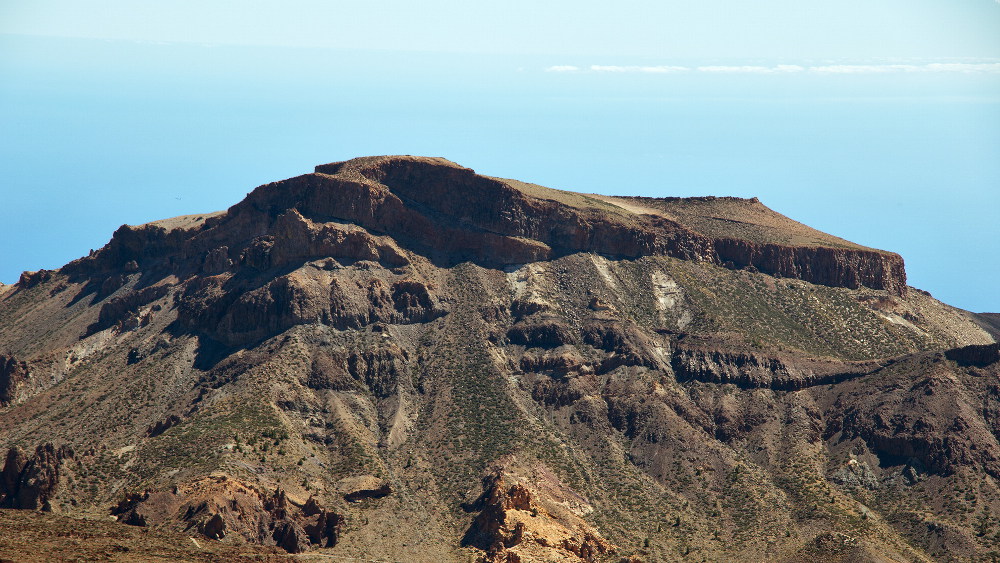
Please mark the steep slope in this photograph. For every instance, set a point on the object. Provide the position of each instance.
(394, 357)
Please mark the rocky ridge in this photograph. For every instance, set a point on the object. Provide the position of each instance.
(451, 215)
(395, 357)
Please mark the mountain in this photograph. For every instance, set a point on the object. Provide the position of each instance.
(396, 358)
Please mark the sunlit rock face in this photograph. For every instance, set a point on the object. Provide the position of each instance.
(396, 358)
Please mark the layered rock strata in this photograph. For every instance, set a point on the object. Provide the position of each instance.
(380, 208)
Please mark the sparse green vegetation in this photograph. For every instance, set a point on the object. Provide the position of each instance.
(195, 444)
(602, 417)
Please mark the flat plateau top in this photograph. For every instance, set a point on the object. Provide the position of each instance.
(715, 217)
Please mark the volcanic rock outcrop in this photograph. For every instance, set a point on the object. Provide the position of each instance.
(524, 519)
(975, 355)
(336, 362)
(751, 370)
(451, 214)
(30, 481)
(218, 506)
(13, 375)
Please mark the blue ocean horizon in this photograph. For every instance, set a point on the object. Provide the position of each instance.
(101, 133)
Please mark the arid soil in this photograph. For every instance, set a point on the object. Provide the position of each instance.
(397, 359)
(28, 536)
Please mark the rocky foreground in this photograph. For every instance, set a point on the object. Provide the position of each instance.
(396, 358)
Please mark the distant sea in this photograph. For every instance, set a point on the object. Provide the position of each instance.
(96, 134)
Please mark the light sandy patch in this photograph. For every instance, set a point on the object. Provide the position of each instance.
(524, 281)
(899, 320)
(184, 222)
(601, 264)
(518, 277)
(402, 422)
(87, 347)
(628, 205)
(670, 298)
(123, 450)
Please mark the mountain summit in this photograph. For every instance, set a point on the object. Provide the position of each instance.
(397, 358)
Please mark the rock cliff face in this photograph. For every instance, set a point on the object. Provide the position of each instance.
(926, 416)
(13, 375)
(976, 355)
(30, 481)
(394, 358)
(450, 214)
(385, 210)
(751, 370)
(217, 507)
(836, 267)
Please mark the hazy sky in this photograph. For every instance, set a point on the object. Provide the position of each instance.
(877, 121)
(670, 28)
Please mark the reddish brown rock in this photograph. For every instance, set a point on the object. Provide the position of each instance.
(236, 315)
(127, 509)
(10, 478)
(837, 267)
(624, 343)
(30, 482)
(215, 528)
(388, 211)
(120, 309)
(288, 535)
(540, 331)
(216, 261)
(320, 300)
(560, 362)
(13, 375)
(524, 517)
(922, 416)
(29, 280)
(517, 522)
(220, 506)
(162, 426)
(751, 370)
(450, 214)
